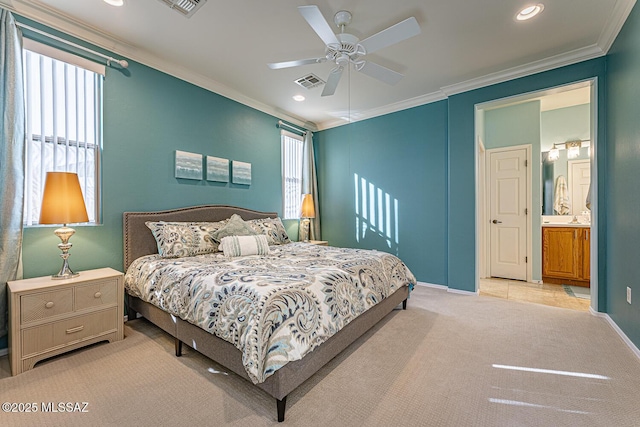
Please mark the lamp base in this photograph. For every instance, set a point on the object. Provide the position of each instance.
(65, 233)
(65, 272)
(306, 223)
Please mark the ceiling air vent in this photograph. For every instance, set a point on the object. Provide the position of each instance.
(310, 81)
(186, 8)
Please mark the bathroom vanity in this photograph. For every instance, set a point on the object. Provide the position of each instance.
(566, 254)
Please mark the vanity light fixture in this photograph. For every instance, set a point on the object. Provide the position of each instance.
(529, 12)
(554, 153)
(116, 3)
(573, 149)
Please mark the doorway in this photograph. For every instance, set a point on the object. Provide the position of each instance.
(570, 98)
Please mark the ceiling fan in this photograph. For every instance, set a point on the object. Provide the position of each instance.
(344, 48)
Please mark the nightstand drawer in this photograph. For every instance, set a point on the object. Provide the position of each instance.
(46, 304)
(97, 294)
(45, 337)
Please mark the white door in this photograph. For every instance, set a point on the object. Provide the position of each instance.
(508, 217)
(579, 181)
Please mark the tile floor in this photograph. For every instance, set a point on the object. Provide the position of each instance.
(546, 294)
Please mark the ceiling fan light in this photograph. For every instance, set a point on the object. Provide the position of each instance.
(116, 3)
(529, 12)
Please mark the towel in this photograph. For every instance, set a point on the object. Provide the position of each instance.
(561, 203)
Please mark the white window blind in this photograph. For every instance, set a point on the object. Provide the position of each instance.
(291, 174)
(64, 128)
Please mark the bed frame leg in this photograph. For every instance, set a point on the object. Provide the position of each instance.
(131, 313)
(281, 404)
(178, 346)
(404, 304)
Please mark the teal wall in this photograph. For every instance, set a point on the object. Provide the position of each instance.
(623, 176)
(461, 222)
(147, 116)
(423, 157)
(386, 150)
(520, 125)
(565, 124)
(397, 157)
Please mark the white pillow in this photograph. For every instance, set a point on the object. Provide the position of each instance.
(234, 246)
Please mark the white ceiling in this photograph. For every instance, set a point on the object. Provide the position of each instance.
(226, 45)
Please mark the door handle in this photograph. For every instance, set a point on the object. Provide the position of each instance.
(495, 221)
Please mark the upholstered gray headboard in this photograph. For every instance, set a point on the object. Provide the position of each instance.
(138, 240)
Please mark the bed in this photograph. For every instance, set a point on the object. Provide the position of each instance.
(282, 372)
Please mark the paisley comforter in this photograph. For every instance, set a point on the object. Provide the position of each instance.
(274, 308)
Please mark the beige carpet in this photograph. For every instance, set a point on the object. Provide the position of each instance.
(435, 364)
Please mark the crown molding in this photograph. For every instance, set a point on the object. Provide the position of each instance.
(557, 61)
(614, 24)
(550, 63)
(53, 18)
(385, 109)
(57, 20)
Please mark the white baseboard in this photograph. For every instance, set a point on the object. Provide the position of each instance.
(459, 291)
(445, 288)
(616, 328)
(4, 352)
(432, 285)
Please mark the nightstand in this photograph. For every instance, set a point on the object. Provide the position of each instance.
(49, 317)
(319, 242)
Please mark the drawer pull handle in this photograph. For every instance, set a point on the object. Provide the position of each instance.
(49, 304)
(74, 330)
(97, 294)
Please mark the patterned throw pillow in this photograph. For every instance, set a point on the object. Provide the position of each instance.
(180, 239)
(234, 227)
(272, 228)
(234, 246)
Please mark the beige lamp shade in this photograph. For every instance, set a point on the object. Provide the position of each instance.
(62, 201)
(307, 210)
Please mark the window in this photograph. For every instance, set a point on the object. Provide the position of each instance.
(64, 124)
(291, 174)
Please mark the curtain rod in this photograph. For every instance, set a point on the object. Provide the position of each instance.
(283, 124)
(122, 62)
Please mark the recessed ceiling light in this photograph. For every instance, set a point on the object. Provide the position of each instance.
(298, 98)
(529, 12)
(115, 2)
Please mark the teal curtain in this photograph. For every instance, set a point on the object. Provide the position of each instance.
(310, 183)
(12, 147)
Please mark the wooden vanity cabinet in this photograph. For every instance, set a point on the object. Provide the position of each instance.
(565, 255)
(586, 254)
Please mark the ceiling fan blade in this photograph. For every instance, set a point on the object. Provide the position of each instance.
(379, 72)
(392, 35)
(332, 82)
(320, 25)
(288, 64)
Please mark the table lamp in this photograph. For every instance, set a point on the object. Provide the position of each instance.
(62, 203)
(307, 211)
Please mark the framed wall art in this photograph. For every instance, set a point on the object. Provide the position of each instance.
(188, 165)
(217, 169)
(241, 173)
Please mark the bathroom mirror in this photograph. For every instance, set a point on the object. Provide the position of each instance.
(553, 173)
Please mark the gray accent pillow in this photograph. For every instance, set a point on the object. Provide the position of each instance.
(236, 226)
